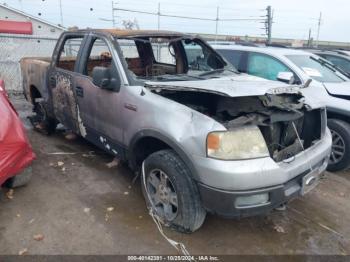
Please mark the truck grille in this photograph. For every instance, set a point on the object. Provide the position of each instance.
(282, 138)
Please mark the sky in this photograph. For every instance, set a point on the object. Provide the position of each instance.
(292, 19)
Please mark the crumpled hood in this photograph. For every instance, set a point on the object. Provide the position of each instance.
(340, 89)
(236, 86)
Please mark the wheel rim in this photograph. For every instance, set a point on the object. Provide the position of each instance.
(40, 112)
(162, 194)
(338, 148)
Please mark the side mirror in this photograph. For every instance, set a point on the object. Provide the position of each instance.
(102, 77)
(286, 77)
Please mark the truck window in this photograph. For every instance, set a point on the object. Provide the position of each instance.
(200, 58)
(100, 55)
(168, 56)
(69, 53)
(131, 55)
(233, 56)
(163, 52)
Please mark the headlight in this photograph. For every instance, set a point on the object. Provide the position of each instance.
(239, 143)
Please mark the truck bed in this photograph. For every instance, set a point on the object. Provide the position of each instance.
(34, 71)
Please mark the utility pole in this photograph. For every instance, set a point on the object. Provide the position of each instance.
(309, 39)
(319, 28)
(158, 13)
(269, 24)
(217, 23)
(113, 17)
(61, 13)
(158, 45)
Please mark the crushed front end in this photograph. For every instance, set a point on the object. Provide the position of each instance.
(287, 125)
(289, 147)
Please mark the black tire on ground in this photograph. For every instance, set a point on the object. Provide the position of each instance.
(341, 136)
(189, 214)
(19, 180)
(41, 121)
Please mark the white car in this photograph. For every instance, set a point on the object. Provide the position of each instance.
(297, 67)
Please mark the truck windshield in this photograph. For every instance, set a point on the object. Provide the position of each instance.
(317, 69)
(166, 58)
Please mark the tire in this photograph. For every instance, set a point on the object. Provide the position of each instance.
(41, 121)
(189, 214)
(340, 156)
(21, 179)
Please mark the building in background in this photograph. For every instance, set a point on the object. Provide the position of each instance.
(23, 35)
(13, 21)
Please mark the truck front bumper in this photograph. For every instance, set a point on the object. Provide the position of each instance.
(252, 187)
(236, 204)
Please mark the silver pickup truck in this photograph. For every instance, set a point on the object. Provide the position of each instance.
(208, 138)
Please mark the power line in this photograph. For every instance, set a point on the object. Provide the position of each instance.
(186, 17)
(160, 14)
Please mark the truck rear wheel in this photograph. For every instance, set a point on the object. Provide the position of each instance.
(171, 192)
(41, 121)
(340, 155)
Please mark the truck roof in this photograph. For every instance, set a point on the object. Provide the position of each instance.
(136, 33)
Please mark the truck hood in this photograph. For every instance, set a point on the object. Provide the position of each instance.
(340, 89)
(237, 86)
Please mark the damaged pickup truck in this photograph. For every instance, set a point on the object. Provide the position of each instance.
(208, 138)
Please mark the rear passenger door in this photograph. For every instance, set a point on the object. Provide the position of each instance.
(61, 80)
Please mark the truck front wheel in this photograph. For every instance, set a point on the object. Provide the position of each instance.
(171, 192)
(340, 155)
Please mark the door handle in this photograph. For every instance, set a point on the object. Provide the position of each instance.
(52, 81)
(79, 91)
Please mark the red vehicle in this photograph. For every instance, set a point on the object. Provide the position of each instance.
(16, 153)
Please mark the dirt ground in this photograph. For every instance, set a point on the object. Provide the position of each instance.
(68, 205)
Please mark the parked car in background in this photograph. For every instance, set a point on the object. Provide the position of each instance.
(297, 67)
(16, 153)
(206, 138)
(341, 59)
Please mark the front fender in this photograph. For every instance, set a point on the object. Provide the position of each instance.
(150, 133)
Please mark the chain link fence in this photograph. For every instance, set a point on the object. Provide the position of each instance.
(15, 47)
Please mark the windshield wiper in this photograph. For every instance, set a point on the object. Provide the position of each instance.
(324, 63)
(329, 65)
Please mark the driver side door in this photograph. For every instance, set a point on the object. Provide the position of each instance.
(99, 107)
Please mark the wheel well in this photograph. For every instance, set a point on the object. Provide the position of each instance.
(34, 93)
(145, 147)
(332, 115)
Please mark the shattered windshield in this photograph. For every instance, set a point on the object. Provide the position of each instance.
(317, 69)
(172, 59)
